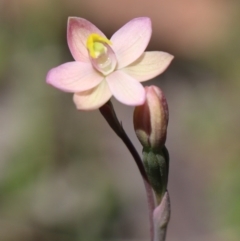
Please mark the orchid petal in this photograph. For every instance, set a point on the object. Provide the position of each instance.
(94, 98)
(126, 89)
(130, 41)
(78, 31)
(149, 65)
(74, 77)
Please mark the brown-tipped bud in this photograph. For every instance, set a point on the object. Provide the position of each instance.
(151, 119)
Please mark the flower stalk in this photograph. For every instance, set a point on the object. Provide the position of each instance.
(109, 114)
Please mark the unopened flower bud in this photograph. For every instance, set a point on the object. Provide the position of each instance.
(151, 119)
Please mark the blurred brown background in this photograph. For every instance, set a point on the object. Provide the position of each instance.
(65, 176)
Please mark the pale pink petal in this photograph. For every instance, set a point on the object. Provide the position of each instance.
(126, 89)
(74, 77)
(78, 32)
(130, 41)
(94, 98)
(149, 65)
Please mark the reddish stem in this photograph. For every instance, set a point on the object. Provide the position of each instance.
(110, 116)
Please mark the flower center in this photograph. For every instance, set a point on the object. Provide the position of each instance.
(95, 45)
(101, 54)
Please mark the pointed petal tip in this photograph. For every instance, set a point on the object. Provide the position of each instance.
(144, 18)
(49, 77)
(166, 60)
(72, 19)
(170, 57)
(147, 20)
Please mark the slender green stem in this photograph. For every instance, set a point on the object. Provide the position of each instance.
(110, 116)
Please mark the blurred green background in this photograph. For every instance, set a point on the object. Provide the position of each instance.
(65, 176)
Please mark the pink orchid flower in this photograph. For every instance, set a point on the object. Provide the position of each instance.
(104, 67)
